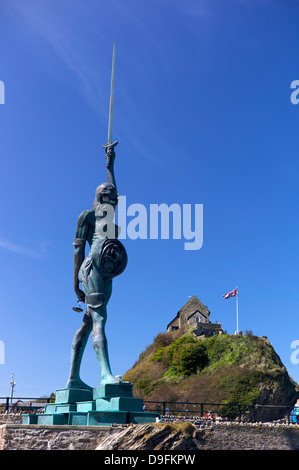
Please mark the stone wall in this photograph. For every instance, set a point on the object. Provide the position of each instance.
(39, 437)
(138, 437)
(206, 330)
(10, 418)
(247, 437)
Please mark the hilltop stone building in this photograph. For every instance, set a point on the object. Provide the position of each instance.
(194, 316)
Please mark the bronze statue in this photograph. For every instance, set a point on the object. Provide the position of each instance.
(107, 258)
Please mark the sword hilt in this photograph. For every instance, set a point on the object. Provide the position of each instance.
(110, 145)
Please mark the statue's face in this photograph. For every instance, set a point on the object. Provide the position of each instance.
(106, 193)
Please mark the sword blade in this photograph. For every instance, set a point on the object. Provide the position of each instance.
(110, 122)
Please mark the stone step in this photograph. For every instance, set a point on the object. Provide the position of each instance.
(86, 406)
(126, 404)
(142, 417)
(51, 408)
(72, 395)
(91, 418)
(106, 418)
(120, 389)
(100, 404)
(77, 419)
(56, 418)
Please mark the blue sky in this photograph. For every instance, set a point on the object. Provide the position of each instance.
(202, 115)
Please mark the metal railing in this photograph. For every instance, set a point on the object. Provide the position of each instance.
(226, 411)
(7, 404)
(182, 410)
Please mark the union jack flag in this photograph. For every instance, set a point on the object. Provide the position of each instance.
(233, 293)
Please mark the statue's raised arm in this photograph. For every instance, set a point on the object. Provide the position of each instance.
(110, 157)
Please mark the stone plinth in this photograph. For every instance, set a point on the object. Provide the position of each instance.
(103, 406)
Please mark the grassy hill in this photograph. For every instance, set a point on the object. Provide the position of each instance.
(242, 369)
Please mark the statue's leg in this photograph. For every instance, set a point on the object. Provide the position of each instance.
(98, 312)
(78, 346)
(100, 345)
(97, 294)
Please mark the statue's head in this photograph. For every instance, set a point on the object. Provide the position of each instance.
(106, 194)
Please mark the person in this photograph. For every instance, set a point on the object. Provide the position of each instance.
(107, 258)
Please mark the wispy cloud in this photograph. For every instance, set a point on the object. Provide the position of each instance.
(67, 40)
(82, 40)
(39, 252)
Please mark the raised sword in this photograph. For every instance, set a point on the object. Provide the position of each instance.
(110, 120)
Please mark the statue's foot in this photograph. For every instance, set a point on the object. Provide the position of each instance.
(73, 383)
(109, 379)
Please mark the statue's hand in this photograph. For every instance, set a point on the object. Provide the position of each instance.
(110, 157)
(80, 294)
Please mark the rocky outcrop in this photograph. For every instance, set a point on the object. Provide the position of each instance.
(239, 369)
(164, 436)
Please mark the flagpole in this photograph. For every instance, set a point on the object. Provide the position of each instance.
(234, 293)
(237, 310)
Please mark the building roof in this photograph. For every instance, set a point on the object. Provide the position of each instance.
(193, 305)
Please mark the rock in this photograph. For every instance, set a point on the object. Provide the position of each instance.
(153, 436)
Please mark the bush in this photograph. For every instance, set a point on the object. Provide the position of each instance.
(185, 339)
(190, 358)
(157, 355)
(163, 339)
(145, 386)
